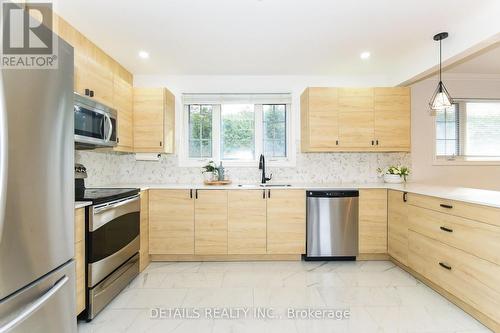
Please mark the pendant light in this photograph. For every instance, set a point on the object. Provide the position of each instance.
(441, 98)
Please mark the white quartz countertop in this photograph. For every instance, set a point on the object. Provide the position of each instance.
(470, 195)
(81, 204)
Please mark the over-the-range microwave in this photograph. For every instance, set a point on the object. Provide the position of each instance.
(95, 124)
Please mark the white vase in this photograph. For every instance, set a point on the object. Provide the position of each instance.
(393, 179)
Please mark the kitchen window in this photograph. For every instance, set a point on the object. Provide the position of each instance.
(469, 132)
(236, 129)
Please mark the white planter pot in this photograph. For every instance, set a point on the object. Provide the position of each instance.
(393, 179)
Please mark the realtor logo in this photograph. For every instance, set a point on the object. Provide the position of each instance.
(27, 38)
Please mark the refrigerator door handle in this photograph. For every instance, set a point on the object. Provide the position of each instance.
(27, 310)
(3, 157)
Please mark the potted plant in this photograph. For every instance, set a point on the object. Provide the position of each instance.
(210, 171)
(394, 174)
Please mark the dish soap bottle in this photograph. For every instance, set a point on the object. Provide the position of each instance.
(220, 171)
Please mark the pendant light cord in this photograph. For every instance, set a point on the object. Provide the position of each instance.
(440, 59)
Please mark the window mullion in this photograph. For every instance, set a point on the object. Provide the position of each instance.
(259, 130)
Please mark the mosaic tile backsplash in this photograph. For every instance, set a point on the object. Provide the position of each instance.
(115, 168)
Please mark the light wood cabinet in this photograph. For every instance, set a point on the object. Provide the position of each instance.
(154, 120)
(144, 231)
(98, 76)
(473, 280)
(122, 102)
(372, 221)
(247, 222)
(80, 259)
(392, 118)
(477, 238)
(355, 119)
(171, 222)
(210, 236)
(319, 111)
(286, 221)
(397, 224)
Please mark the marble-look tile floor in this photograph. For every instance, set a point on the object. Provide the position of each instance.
(379, 297)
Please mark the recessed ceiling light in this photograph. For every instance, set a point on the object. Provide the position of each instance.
(143, 54)
(365, 55)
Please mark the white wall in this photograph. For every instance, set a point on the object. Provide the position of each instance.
(459, 86)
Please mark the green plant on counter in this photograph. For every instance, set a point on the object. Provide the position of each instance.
(210, 167)
(400, 170)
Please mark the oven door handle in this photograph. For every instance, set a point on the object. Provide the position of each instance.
(116, 204)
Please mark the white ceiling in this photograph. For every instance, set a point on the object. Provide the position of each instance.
(281, 37)
(486, 62)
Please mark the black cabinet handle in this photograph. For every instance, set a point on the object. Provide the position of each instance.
(446, 206)
(446, 229)
(87, 92)
(442, 264)
(91, 93)
(405, 196)
(337, 142)
(269, 194)
(161, 143)
(263, 194)
(191, 193)
(196, 194)
(373, 142)
(117, 140)
(376, 142)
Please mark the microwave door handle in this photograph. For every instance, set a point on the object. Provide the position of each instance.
(3, 156)
(110, 128)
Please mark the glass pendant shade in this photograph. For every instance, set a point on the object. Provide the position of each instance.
(441, 99)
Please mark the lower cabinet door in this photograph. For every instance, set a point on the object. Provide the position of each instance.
(80, 259)
(473, 280)
(171, 222)
(210, 236)
(397, 219)
(247, 222)
(373, 221)
(286, 221)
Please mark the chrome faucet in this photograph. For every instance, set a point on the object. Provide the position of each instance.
(262, 166)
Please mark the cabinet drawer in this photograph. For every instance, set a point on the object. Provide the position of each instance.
(480, 213)
(475, 281)
(479, 239)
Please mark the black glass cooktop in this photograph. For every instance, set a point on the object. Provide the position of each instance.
(102, 195)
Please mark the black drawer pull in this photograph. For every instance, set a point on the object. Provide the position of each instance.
(448, 267)
(269, 194)
(446, 206)
(263, 194)
(191, 193)
(446, 229)
(405, 196)
(196, 194)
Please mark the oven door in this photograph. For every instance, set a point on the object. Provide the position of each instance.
(113, 236)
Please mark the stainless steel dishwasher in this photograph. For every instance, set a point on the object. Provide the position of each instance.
(332, 224)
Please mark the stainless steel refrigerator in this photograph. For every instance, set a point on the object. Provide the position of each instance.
(37, 272)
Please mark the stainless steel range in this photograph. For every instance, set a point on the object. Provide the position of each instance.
(112, 240)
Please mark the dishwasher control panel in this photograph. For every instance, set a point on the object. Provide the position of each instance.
(333, 194)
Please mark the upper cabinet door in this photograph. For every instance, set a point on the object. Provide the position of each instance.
(393, 118)
(149, 104)
(356, 121)
(98, 75)
(320, 118)
(122, 102)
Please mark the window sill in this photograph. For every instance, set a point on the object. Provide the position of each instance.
(461, 162)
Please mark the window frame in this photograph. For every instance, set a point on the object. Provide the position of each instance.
(462, 160)
(288, 161)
